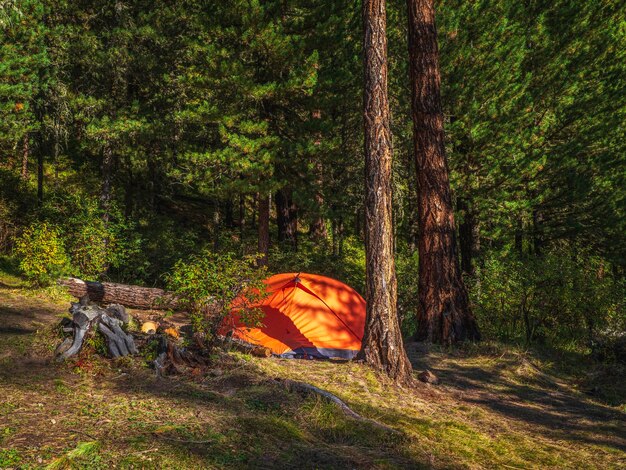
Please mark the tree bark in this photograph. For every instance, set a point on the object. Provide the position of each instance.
(317, 229)
(264, 228)
(444, 314)
(287, 218)
(318, 225)
(25, 155)
(105, 190)
(537, 232)
(217, 220)
(241, 222)
(519, 237)
(467, 236)
(382, 345)
(40, 171)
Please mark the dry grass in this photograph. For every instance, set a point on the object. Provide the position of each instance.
(496, 407)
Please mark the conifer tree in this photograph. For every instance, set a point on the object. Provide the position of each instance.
(382, 346)
(444, 314)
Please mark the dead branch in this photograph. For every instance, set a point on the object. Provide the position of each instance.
(308, 389)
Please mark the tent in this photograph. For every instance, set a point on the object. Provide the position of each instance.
(307, 315)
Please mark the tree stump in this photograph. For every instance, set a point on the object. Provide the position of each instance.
(108, 321)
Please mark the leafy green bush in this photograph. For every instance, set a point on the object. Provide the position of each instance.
(212, 285)
(562, 298)
(92, 245)
(90, 248)
(41, 253)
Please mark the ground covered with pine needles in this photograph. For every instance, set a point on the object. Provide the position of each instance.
(496, 406)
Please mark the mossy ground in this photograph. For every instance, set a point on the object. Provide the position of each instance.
(496, 407)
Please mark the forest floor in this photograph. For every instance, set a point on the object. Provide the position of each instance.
(496, 406)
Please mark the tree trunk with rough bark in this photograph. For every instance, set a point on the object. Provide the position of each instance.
(264, 228)
(382, 345)
(25, 155)
(468, 236)
(317, 228)
(241, 221)
(287, 218)
(444, 314)
(40, 170)
(106, 169)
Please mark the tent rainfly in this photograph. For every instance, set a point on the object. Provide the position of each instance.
(307, 316)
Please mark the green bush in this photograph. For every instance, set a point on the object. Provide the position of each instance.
(562, 298)
(90, 248)
(92, 245)
(212, 284)
(41, 253)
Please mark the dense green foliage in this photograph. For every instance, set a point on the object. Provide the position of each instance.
(212, 285)
(144, 133)
(41, 253)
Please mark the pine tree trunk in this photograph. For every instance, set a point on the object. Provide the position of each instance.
(241, 222)
(382, 345)
(129, 193)
(105, 190)
(519, 237)
(537, 233)
(40, 171)
(264, 228)
(25, 155)
(444, 314)
(217, 220)
(467, 242)
(286, 218)
(318, 229)
(228, 211)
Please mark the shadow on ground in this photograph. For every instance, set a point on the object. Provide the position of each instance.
(511, 387)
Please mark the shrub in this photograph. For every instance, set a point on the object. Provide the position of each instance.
(41, 253)
(562, 298)
(89, 249)
(212, 284)
(92, 245)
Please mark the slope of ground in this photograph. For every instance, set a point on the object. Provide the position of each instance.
(494, 408)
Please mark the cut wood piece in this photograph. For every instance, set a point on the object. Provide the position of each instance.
(124, 294)
(308, 389)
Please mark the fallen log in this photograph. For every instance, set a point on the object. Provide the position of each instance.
(124, 294)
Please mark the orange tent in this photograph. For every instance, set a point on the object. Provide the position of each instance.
(307, 315)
